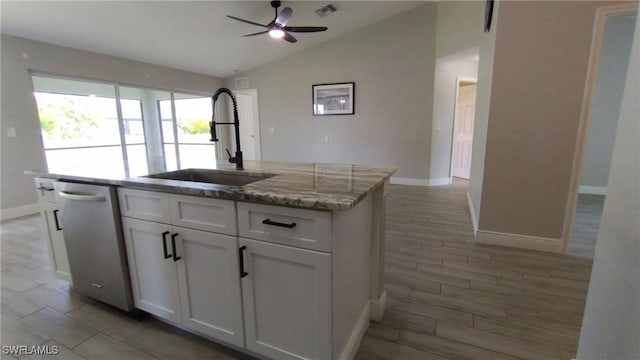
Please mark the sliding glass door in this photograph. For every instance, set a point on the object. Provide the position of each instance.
(109, 130)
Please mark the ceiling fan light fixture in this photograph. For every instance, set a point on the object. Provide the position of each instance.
(278, 28)
(276, 33)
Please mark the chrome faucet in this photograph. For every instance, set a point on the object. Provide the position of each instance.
(236, 123)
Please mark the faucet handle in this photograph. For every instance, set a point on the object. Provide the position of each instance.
(232, 160)
(212, 130)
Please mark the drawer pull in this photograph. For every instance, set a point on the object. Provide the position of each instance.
(164, 244)
(173, 247)
(275, 223)
(55, 219)
(243, 273)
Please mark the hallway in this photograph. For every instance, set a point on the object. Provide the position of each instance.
(451, 299)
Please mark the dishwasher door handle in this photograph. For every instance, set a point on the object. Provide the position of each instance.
(81, 196)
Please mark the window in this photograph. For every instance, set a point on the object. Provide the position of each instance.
(79, 127)
(82, 133)
(191, 127)
(134, 137)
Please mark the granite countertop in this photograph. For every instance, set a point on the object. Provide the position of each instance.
(303, 185)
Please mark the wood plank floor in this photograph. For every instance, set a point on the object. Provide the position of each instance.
(451, 299)
(448, 299)
(586, 225)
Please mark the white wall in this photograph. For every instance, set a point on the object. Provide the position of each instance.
(460, 26)
(611, 324)
(392, 63)
(481, 120)
(448, 69)
(18, 107)
(605, 108)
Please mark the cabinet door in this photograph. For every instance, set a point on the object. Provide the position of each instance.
(154, 279)
(287, 301)
(55, 243)
(209, 279)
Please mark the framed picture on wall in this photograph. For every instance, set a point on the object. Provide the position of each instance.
(334, 99)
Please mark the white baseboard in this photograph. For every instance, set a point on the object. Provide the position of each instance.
(472, 213)
(420, 182)
(593, 190)
(353, 343)
(439, 182)
(16, 212)
(378, 306)
(519, 241)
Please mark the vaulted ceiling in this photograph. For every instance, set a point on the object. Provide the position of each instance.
(188, 35)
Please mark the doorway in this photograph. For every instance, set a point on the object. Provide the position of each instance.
(249, 116)
(608, 63)
(464, 114)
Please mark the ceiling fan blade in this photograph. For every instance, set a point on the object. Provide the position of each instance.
(258, 33)
(305, 29)
(284, 16)
(246, 21)
(289, 37)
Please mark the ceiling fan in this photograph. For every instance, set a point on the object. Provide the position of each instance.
(278, 28)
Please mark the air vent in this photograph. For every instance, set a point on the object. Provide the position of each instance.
(242, 83)
(324, 11)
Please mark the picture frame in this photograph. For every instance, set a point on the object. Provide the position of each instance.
(333, 99)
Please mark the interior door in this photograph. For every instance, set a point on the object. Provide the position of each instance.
(247, 100)
(463, 130)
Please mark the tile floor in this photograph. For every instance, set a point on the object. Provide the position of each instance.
(448, 299)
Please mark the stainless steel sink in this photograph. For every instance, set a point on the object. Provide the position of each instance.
(210, 176)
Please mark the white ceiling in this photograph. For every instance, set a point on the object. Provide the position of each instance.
(189, 35)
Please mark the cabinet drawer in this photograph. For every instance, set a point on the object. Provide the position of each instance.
(45, 191)
(306, 229)
(145, 205)
(215, 215)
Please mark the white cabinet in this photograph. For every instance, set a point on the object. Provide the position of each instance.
(286, 292)
(53, 228)
(306, 293)
(190, 277)
(287, 301)
(154, 278)
(280, 282)
(209, 280)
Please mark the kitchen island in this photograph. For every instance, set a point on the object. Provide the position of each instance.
(288, 266)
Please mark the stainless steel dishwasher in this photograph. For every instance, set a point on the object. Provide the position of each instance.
(90, 219)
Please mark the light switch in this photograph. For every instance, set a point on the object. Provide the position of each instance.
(326, 139)
(271, 130)
(11, 132)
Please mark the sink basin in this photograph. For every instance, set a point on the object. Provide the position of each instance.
(210, 176)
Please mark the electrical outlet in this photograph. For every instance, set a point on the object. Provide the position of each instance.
(11, 132)
(271, 130)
